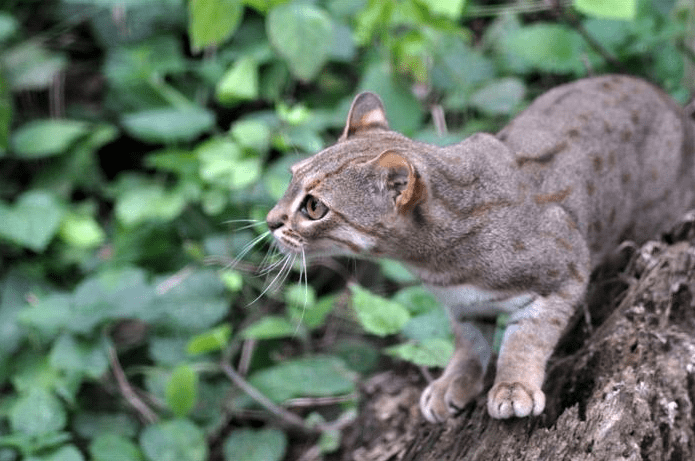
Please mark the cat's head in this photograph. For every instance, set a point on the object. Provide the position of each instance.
(355, 197)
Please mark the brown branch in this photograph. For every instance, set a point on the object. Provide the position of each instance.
(287, 417)
(127, 390)
(319, 401)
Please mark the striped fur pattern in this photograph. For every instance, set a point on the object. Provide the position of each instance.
(512, 222)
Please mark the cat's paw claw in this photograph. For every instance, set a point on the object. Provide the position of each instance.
(514, 399)
(446, 397)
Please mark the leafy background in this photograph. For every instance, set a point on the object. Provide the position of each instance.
(137, 136)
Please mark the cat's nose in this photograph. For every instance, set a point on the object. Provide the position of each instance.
(275, 219)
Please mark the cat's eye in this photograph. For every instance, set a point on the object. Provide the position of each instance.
(314, 208)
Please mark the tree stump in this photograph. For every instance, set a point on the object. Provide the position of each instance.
(623, 389)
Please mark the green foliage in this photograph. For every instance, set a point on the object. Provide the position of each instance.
(175, 440)
(252, 445)
(621, 9)
(296, 28)
(327, 375)
(182, 390)
(211, 22)
(378, 315)
(132, 156)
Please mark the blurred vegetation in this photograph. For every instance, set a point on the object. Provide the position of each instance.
(138, 137)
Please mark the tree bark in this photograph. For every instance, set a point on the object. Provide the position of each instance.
(623, 389)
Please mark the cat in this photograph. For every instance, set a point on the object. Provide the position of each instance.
(507, 223)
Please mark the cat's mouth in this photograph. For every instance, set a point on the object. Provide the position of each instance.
(288, 242)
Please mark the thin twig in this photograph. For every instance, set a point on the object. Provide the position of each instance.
(475, 11)
(127, 390)
(247, 349)
(319, 401)
(286, 416)
(595, 44)
(439, 120)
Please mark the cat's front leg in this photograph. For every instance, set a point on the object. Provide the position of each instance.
(462, 379)
(529, 340)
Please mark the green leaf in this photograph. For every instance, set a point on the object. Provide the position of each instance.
(433, 324)
(239, 83)
(210, 341)
(457, 67)
(616, 9)
(48, 316)
(433, 352)
(499, 97)
(90, 424)
(30, 66)
(202, 289)
(329, 440)
(44, 138)
(270, 327)
(310, 376)
(252, 134)
(221, 164)
(417, 299)
(37, 412)
(178, 161)
(81, 231)
(314, 314)
(149, 202)
(177, 440)
(358, 355)
(402, 108)
(212, 22)
(8, 26)
(112, 294)
(71, 355)
(127, 65)
(64, 453)
(302, 34)
(32, 221)
(233, 280)
(14, 290)
(255, 445)
(112, 447)
(182, 390)
(34, 372)
(548, 47)
(396, 271)
(169, 125)
(299, 298)
(378, 315)
(278, 176)
(168, 351)
(449, 8)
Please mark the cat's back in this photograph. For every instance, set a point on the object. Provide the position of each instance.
(616, 150)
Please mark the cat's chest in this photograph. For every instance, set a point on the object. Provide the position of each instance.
(466, 301)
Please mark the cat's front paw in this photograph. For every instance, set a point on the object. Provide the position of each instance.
(447, 396)
(514, 399)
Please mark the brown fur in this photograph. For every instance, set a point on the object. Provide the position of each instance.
(507, 223)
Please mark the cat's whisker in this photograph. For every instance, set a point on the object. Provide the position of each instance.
(271, 267)
(303, 272)
(280, 277)
(249, 246)
(271, 255)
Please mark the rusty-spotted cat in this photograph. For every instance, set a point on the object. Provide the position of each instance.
(512, 222)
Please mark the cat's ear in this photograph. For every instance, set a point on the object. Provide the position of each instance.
(366, 113)
(402, 181)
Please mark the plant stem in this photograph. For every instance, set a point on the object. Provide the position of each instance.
(286, 416)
